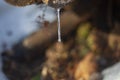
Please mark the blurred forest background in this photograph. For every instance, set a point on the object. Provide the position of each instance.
(90, 47)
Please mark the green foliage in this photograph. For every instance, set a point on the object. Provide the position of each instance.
(37, 77)
(83, 32)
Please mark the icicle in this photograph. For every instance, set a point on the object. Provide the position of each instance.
(59, 27)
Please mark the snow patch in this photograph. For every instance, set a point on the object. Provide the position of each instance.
(17, 23)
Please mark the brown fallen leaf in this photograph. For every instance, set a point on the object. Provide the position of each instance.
(86, 67)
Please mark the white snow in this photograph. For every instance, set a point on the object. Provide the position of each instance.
(17, 23)
(112, 73)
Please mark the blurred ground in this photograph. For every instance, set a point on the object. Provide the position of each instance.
(90, 44)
